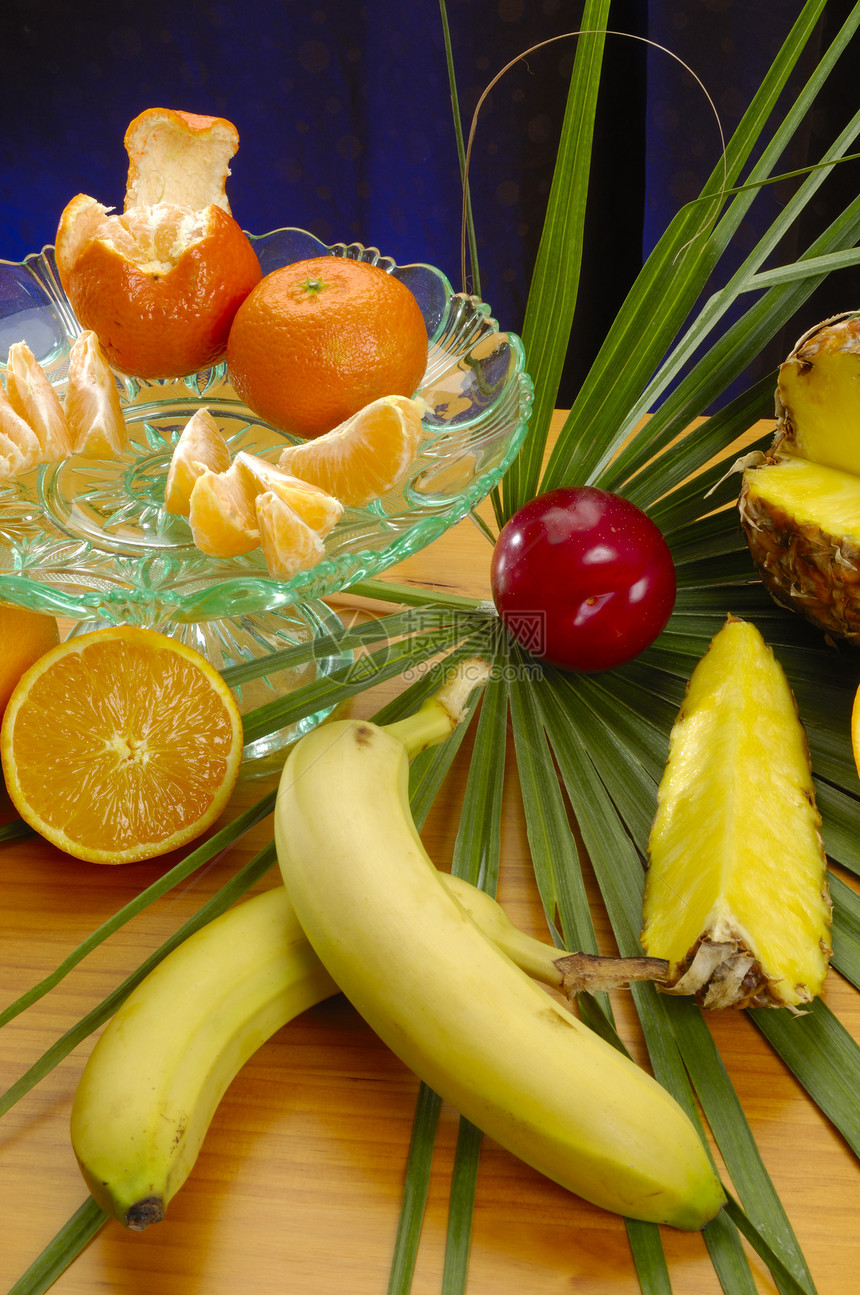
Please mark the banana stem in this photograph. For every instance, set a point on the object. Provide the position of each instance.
(437, 718)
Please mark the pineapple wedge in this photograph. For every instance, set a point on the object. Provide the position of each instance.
(736, 894)
(800, 508)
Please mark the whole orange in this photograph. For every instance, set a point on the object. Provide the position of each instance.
(159, 285)
(317, 340)
(24, 637)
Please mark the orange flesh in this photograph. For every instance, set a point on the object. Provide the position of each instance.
(143, 749)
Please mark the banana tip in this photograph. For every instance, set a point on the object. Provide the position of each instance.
(143, 1212)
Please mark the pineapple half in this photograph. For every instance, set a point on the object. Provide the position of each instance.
(736, 895)
(800, 508)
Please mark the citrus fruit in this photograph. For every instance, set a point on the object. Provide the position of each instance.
(176, 156)
(315, 507)
(365, 456)
(120, 745)
(93, 410)
(222, 515)
(317, 340)
(19, 445)
(24, 637)
(159, 285)
(35, 400)
(201, 445)
(289, 544)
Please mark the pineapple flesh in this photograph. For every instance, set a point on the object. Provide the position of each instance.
(736, 894)
(800, 508)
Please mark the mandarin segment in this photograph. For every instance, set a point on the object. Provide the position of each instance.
(289, 544)
(19, 445)
(120, 745)
(321, 511)
(35, 400)
(221, 513)
(363, 458)
(93, 408)
(201, 445)
(317, 340)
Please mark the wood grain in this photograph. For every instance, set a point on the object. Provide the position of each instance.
(297, 1188)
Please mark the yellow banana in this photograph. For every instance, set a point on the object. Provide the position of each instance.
(450, 1004)
(154, 1079)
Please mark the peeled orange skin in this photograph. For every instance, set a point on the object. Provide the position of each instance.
(153, 324)
(120, 745)
(317, 340)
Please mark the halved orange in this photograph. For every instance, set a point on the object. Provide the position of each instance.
(35, 400)
(93, 409)
(365, 456)
(201, 445)
(120, 745)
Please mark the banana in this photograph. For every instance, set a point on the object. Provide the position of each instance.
(454, 1007)
(155, 1078)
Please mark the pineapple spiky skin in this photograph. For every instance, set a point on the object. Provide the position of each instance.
(736, 895)
(800, 508)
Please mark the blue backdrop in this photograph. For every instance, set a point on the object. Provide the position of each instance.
(346, 125)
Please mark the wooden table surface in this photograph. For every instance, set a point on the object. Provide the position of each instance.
(297, 1188)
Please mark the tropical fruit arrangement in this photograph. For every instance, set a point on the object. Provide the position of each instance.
(736, 909)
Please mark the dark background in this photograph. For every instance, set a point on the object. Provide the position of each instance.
(346, 125)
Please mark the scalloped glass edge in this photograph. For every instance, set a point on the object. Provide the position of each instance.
(230, 595)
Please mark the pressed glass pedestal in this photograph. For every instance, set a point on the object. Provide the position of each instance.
(90, 540)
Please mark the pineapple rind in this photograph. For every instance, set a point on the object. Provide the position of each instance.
(802, 524)
(736, 857)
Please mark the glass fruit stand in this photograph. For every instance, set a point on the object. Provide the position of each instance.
(90, 540)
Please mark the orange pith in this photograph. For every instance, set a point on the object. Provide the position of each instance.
(120, 745)
(317, 340)
(158, 285)
(364, 457)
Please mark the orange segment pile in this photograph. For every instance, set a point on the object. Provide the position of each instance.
(201, 445)
(36, 428)
(160, 284)
(120, 745)
(364, 457)
(315, 507)
(317, 340)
